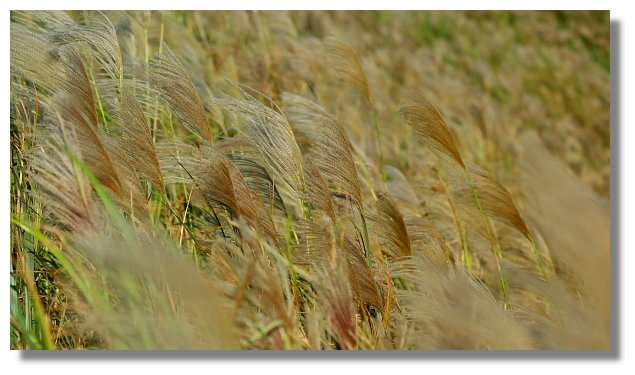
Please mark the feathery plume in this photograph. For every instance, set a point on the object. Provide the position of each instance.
(389, 228)
(64, 191)
(495, 200)
(175, 85)
(330, 150)
(272, 134)
(41, 20)
(259, 181)
(102, 39)
(360, 274)
(335, 298)
(318, 194)
(86, 142)
(34, 59)
(219, 181)
(136, 141)
(428, 123)
(346, 65)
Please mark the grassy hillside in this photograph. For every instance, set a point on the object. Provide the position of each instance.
(310, 180)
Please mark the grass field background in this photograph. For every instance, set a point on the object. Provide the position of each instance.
(310, 180)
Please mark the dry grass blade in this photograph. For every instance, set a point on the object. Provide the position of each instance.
(41, 19)
(65, 192)
(389, 228)
(102, 39)
(316, 242)
(32, 59)
(136, 141)
(245, 155)
(330, 149)
(259, 181)
(581, 242)
(495, 200)
(428, 123)
(162, 199)
(175, 85)
(346, 65)
(450, 310)
(75, 84)
(220, 183)
(318, 194)
(272, 134)
(133, 194)
(335, 298)
(73, 108)
(162, 301)
(254, 213)
(101, 153)
(360, 275)
(85, 141)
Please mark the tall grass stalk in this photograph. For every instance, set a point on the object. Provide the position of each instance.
(496, 251)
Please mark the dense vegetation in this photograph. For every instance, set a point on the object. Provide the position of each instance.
(310, 180)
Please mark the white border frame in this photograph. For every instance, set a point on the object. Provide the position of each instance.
(578, 363)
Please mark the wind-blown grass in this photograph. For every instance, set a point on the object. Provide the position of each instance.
(191, 180)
